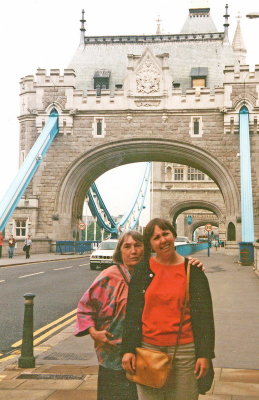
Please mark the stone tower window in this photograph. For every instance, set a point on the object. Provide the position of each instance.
(199, 77)
(196, 127)
(178, 174)
(20, 228)
(195, 175)
(99, 127)
(101, 80)
(169, 173)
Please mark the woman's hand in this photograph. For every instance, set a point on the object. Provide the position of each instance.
(196, 263)
(201, 367)
(101, 337)
(129, 362)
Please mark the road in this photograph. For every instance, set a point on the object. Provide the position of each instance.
(57, 286)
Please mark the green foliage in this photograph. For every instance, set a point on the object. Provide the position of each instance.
(90, 233)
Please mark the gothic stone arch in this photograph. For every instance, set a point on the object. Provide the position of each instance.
(84, 170)
(179, 208)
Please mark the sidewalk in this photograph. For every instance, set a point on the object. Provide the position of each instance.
(34, 258)
(66, 366)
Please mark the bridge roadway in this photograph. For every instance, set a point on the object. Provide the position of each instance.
(235, 292)
(57, 285)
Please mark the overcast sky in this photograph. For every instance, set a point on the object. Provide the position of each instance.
(45, 34)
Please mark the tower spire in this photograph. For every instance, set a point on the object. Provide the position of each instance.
(238, 43)
(158, 27)
(226, 25)
(82, 29)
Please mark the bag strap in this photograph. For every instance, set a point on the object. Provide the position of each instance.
(123, 274)
(186, 300)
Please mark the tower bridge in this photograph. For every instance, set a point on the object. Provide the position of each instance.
(158, 98)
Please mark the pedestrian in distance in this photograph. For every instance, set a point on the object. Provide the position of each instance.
(101, 312)
(156, 299)
(27, 246)
(11, 246)
(1, 243)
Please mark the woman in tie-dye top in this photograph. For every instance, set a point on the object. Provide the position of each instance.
(101, 312)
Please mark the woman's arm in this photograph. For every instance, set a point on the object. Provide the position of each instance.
(202, 314)
(132, 334)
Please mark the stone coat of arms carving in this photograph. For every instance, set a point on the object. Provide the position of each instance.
(148, 78)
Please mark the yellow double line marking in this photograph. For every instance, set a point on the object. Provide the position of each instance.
(58, 324)
(51, 331)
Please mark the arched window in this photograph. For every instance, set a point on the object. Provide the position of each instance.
(169, 173)
(231, 236)
(54, 112)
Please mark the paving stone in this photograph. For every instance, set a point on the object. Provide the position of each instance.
(10, 384)
(74, 395)
(90, 383)
(236, 388)
(25, 394)
(9, 375)
(239, 375)
(245, 398)
(71, 369)
(50, 384)
(216, 397)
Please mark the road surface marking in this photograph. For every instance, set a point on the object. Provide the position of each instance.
(58, 269)
(82, 265)
(8, 358)
(2, 281)
(36, 273)
(49, 333)
(44, 328)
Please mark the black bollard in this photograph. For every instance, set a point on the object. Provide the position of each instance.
(27, 359)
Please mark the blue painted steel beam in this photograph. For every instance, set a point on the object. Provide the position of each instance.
(28, 169)
(136, 208)
(102, 205)
(95, 213)
(138, 203)
(247, 217)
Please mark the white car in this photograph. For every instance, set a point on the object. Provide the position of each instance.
(102, 257)
(181, 240)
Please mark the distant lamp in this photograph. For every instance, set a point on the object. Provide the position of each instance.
(252, 15)
(189, 219)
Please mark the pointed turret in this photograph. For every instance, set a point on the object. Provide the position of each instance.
(226, 25)
(239, 44)
(199, 19)
(158, 27)
(82, 29)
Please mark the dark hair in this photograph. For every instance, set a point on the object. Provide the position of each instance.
(149, 230)
(117, 253)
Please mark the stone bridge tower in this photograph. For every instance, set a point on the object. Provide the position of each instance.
(169, 98)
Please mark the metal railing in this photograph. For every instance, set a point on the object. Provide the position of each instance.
(76, 246)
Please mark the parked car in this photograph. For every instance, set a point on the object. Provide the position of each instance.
(181, 240)
(102, 257)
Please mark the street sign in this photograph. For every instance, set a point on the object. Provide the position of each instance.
(81, 226)
(208, 227)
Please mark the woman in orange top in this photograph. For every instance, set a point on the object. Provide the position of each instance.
(156, 297)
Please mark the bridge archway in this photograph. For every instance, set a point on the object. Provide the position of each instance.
(177, 209)
(86, 169)
(231, 232)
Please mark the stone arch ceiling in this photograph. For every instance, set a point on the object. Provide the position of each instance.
(91, 165)
(177, 209)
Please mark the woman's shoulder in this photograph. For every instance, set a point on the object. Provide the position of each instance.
(111, 272)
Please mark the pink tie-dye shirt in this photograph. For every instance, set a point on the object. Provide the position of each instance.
(103, 306)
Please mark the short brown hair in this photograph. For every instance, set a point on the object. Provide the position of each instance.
(117, 253)
(149, 230)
